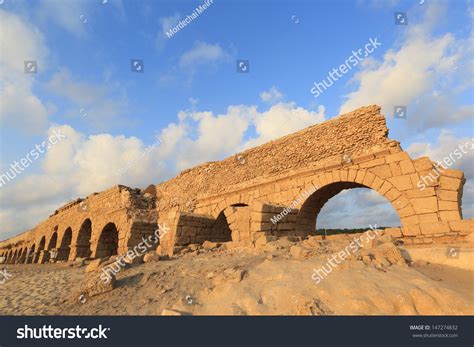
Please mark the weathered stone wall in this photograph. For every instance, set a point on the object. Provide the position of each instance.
(126, 211)
(238, 198)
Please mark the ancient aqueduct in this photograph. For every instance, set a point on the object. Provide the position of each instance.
(236, 199)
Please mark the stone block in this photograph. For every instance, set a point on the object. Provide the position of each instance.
(448, 195)
(428, 218)
(401, 182)
(382, 171)
(394, 232)
(434, 228)
(447, 216)
(466, 225)
(423, 164)
(407, 167)
(393, 158)
(449, 183)
(411, 230)
(448, 205)
(420, 193)
(425, 205)
(395, 169)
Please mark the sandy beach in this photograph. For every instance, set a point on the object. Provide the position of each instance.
(274, 279)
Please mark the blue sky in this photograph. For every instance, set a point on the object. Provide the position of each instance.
(191, 98)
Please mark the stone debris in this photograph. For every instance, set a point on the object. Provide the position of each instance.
(94, 285)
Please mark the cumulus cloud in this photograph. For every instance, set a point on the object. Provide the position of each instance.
(21, 108)
(425, 71)
(166, 23)
(77, 166)
(357, 208)
(204, 136)
(103, 105)
(202, 53)
(202, 57)
(271, 96)
(80, 164)
(65, 14)
(445, 146)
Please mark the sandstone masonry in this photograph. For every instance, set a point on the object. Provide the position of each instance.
(236, 199)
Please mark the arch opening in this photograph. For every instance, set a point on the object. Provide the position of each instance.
(65, 247)
(53, 241)
(40, 248)
(83, 242)
(30, 254)
(108, 242)
(345, 207)
(220, 231)
(23, 254)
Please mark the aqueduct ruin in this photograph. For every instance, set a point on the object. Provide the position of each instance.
(238, 199)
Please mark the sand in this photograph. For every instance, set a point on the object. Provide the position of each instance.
(274, 279)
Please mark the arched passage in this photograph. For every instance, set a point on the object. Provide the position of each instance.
(14, 257)
(23, 255)
(356, 210)
(53, 241)
(108, 242)
(10, 256)
(220, 231)
(64, 248)
(306, 221)
(30, 255)
(40, 248)
(83, 242)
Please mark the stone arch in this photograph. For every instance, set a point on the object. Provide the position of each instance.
(30, 255)
(107, 244)
(53, 241)
(65, 245)
(327, 189)
(14, 257)
(8, 256)
(220, 230)
(41, 247)
(83, 240)
(23, 254)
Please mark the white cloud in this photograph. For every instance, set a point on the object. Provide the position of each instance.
(166, 23)
(282, 119)
(80, 164)
(202, 53)
(65, 14)
(101, 105)
(20, 107)
(357, 208)
(77, 166)
(425, 72)
(445, 146)
(271, 96)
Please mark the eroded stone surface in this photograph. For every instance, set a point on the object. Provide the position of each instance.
(278, 190)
